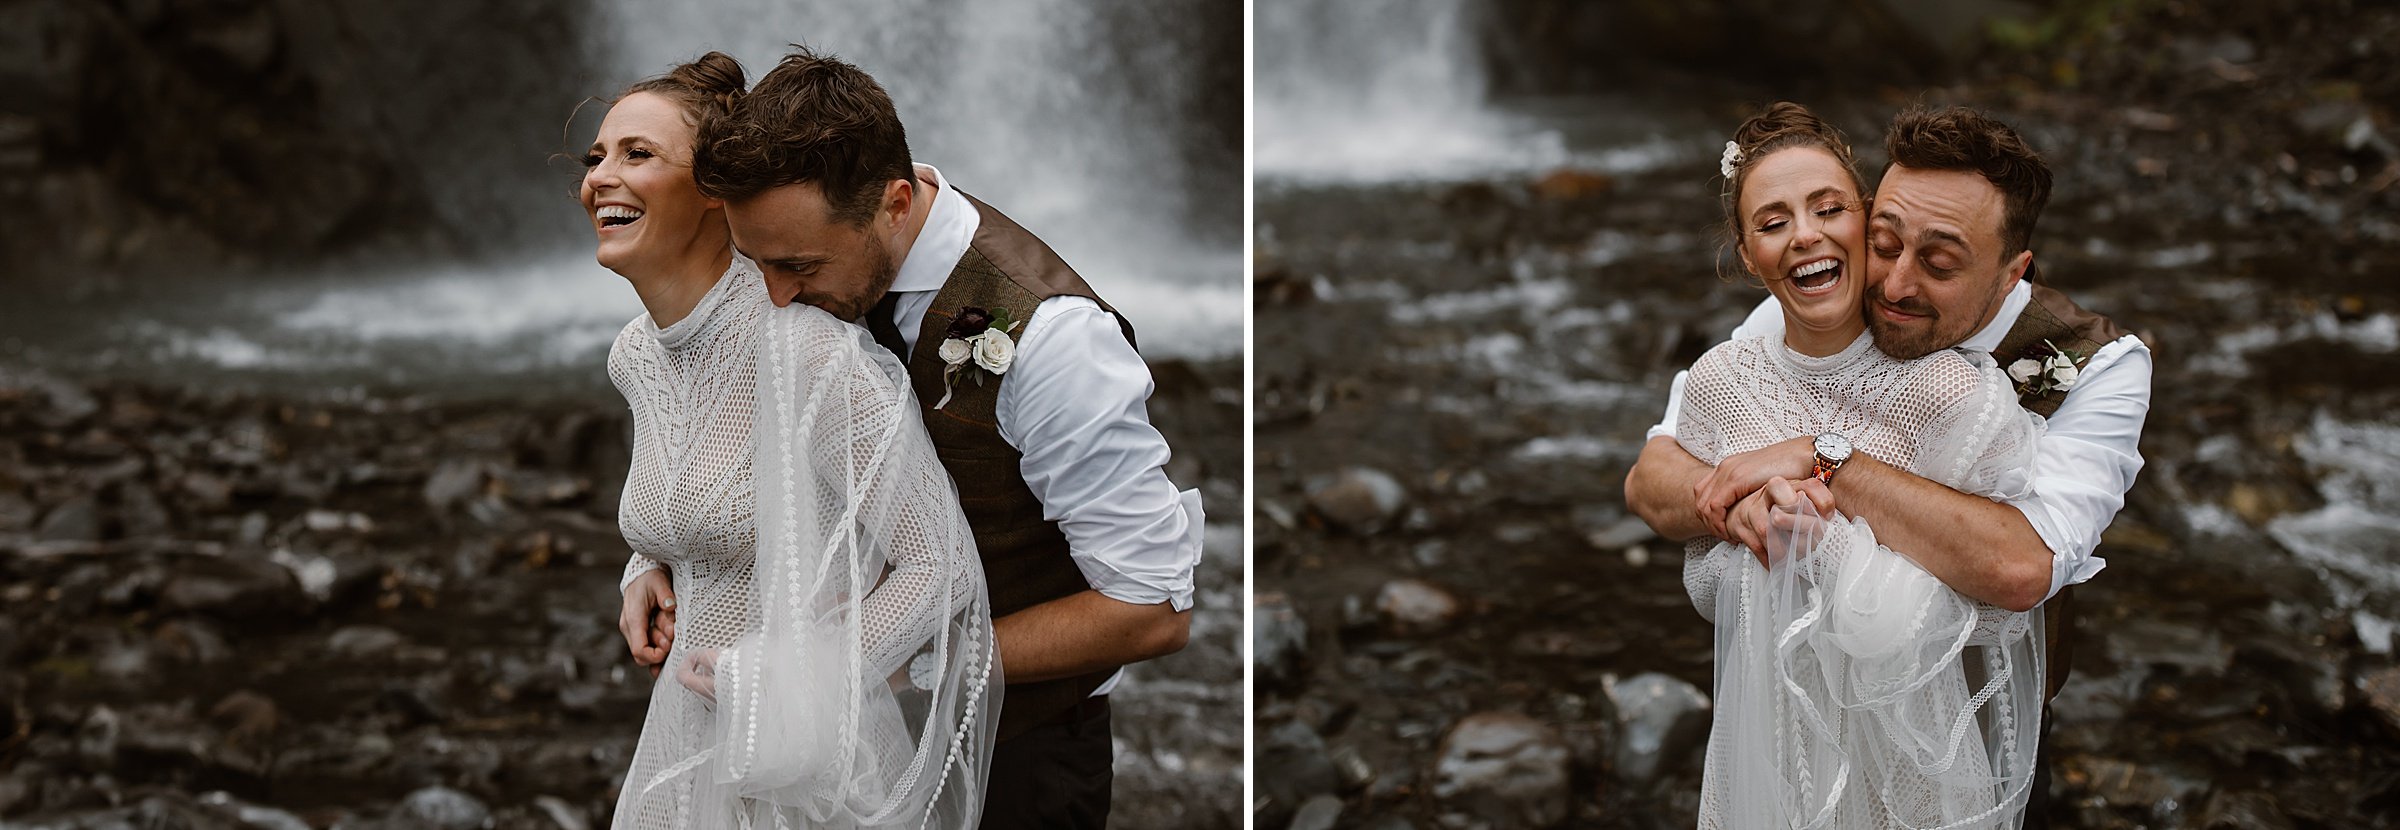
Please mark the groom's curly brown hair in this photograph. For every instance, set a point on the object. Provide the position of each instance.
(1961, 139)
(812, 119)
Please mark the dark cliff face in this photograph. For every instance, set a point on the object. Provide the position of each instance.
(237, 133)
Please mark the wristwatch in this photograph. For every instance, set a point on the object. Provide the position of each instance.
(1833, 451)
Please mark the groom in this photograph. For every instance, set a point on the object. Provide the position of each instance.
(1949, 259)
(1038, 410)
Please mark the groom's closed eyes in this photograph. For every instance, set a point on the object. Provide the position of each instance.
(1942, 251)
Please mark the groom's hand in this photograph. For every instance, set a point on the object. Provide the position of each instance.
(1716, 495)
(647, 619)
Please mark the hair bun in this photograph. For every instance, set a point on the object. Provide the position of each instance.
(716, 75)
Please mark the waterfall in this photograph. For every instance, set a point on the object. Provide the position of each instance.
(1379, 91)
(1071, 116)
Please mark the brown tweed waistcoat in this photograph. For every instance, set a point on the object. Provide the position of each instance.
(1025, 557)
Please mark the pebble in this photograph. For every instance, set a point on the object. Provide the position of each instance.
(1361, 500)
(442, 808)
(1278, 641)
(1410, 607)
(1504, 769)
(1660, 721)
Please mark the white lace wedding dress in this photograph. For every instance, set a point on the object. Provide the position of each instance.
(828, 566)
(1853, 689)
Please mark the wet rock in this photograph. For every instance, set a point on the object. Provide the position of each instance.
(2379, 692)
(1410, 607)
(2155, 642)
(191, 641)
(252, 815)
(360, 642)
(453, 484)
(16, 512)
(1278, 641)
(96, 738)
(140, 514)
(231, 587)
(1660, 722)
(444, 809)
(2127, 785)
(74, 520)
(2242, 811)
(1501, 770)
(1358, 499)
(1625, 532)
(565, 815)
(1569, 184)
(1292, 768)
(1321, 812)
(208, 492)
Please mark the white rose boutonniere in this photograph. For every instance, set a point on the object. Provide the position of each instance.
(977, 344)
(2044, 369)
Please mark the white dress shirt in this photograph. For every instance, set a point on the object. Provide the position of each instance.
(1075, 405)
(2088, 454)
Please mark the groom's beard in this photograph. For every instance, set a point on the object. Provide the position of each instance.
(1905, 341)
(881, 273)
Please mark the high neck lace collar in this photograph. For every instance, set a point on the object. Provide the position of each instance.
(740, 277)
(1835, 362)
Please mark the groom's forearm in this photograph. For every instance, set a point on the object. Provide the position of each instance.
(1979, 547)
(1659, 489)
(1084, 633)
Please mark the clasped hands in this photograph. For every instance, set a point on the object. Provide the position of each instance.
(1751, 495)
(647, 620)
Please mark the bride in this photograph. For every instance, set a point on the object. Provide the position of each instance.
(1853, 689)
(831, 661)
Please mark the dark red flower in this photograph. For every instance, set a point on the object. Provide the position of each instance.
(970, 321)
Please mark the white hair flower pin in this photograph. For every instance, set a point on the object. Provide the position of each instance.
(1731, 160)
(978, 343)
(2045, 369)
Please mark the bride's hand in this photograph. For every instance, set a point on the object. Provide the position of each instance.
(1716, 495)
(647, 619)
(698, 672)
(1774, 510)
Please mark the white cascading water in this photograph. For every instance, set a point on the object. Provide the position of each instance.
(1032, 106)
(1026, 103)
(1352, 92)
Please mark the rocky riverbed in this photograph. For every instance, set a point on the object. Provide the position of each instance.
(228, 609)
(1459, 625)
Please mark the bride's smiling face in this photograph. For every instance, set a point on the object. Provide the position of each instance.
(1802, 225)
(637, 185)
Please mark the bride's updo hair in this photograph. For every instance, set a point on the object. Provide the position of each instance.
(1783, 125)
(705, 87)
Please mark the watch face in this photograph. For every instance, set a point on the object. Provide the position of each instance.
(1833, 447)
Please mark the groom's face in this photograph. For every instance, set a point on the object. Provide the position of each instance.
(1935, 275)
(807, 256)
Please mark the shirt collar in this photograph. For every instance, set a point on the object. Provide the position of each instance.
(950, 224)
(2011, 307)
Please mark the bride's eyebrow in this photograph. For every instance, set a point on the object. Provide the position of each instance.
(1823, 192)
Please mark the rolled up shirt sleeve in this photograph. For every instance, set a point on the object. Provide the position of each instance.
(2087, 458)
(1075, 404)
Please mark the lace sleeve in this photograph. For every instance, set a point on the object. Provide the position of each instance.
(634, 568)
(1976, 438)
(1696, 428)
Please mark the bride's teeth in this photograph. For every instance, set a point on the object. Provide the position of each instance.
(1819, 266)
(619, 212)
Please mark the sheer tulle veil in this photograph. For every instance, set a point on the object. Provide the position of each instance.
(867, 695)
(1856, 690)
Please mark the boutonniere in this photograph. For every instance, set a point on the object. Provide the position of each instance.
(2045, 369)
(977, 344)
